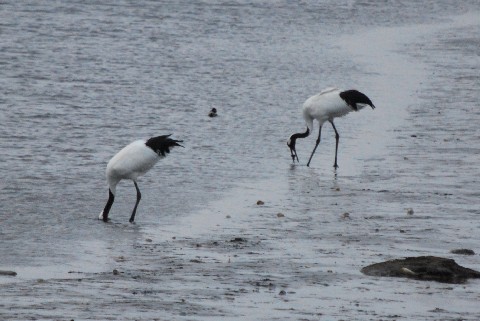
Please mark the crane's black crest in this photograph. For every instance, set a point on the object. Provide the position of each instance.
(353, 97)
(161, 144)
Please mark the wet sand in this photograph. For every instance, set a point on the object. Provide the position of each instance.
(299, 255)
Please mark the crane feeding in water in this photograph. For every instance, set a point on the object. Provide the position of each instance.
(133, 161)
(330, 103)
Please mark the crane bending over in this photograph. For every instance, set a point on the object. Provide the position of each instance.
(133, 161)
(325, 106)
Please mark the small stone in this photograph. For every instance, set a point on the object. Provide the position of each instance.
(259, 202)
(463, 252)
(228, 216)
(280, 215)
(238, 240)
(410, 211)
(283, 292)
(402, 231)
(437, 310)
(115, 272)
(148, 240)
(345, 215)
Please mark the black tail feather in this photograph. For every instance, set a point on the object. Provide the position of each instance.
(353, 97)
(162, 144)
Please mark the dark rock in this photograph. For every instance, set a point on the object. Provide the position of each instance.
(463, 252)
(427, 268)
(8, 273)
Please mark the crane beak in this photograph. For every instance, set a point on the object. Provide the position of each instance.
(177, 143)
(293, 152)
(294, 155)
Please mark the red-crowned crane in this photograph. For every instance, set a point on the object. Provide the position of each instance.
(330, 103)
(133, 161)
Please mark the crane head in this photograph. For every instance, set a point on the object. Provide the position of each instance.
(291, 144)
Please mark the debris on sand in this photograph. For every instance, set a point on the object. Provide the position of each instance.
(280, 215)
(238, 240)
(426, 268)
(266, 283)
(259, 202)
(463, 252)
(8, 273)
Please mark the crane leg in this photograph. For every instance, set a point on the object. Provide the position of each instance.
(316, 145)
(337, 138)
(139, 196)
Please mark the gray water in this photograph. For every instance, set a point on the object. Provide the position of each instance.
(80, 80)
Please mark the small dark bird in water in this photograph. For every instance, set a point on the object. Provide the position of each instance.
(213, 113)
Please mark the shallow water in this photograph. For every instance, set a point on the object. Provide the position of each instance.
(79, 81)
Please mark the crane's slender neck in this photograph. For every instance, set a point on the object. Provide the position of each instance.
(300, 135)
(292, 141)
(108, 206)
